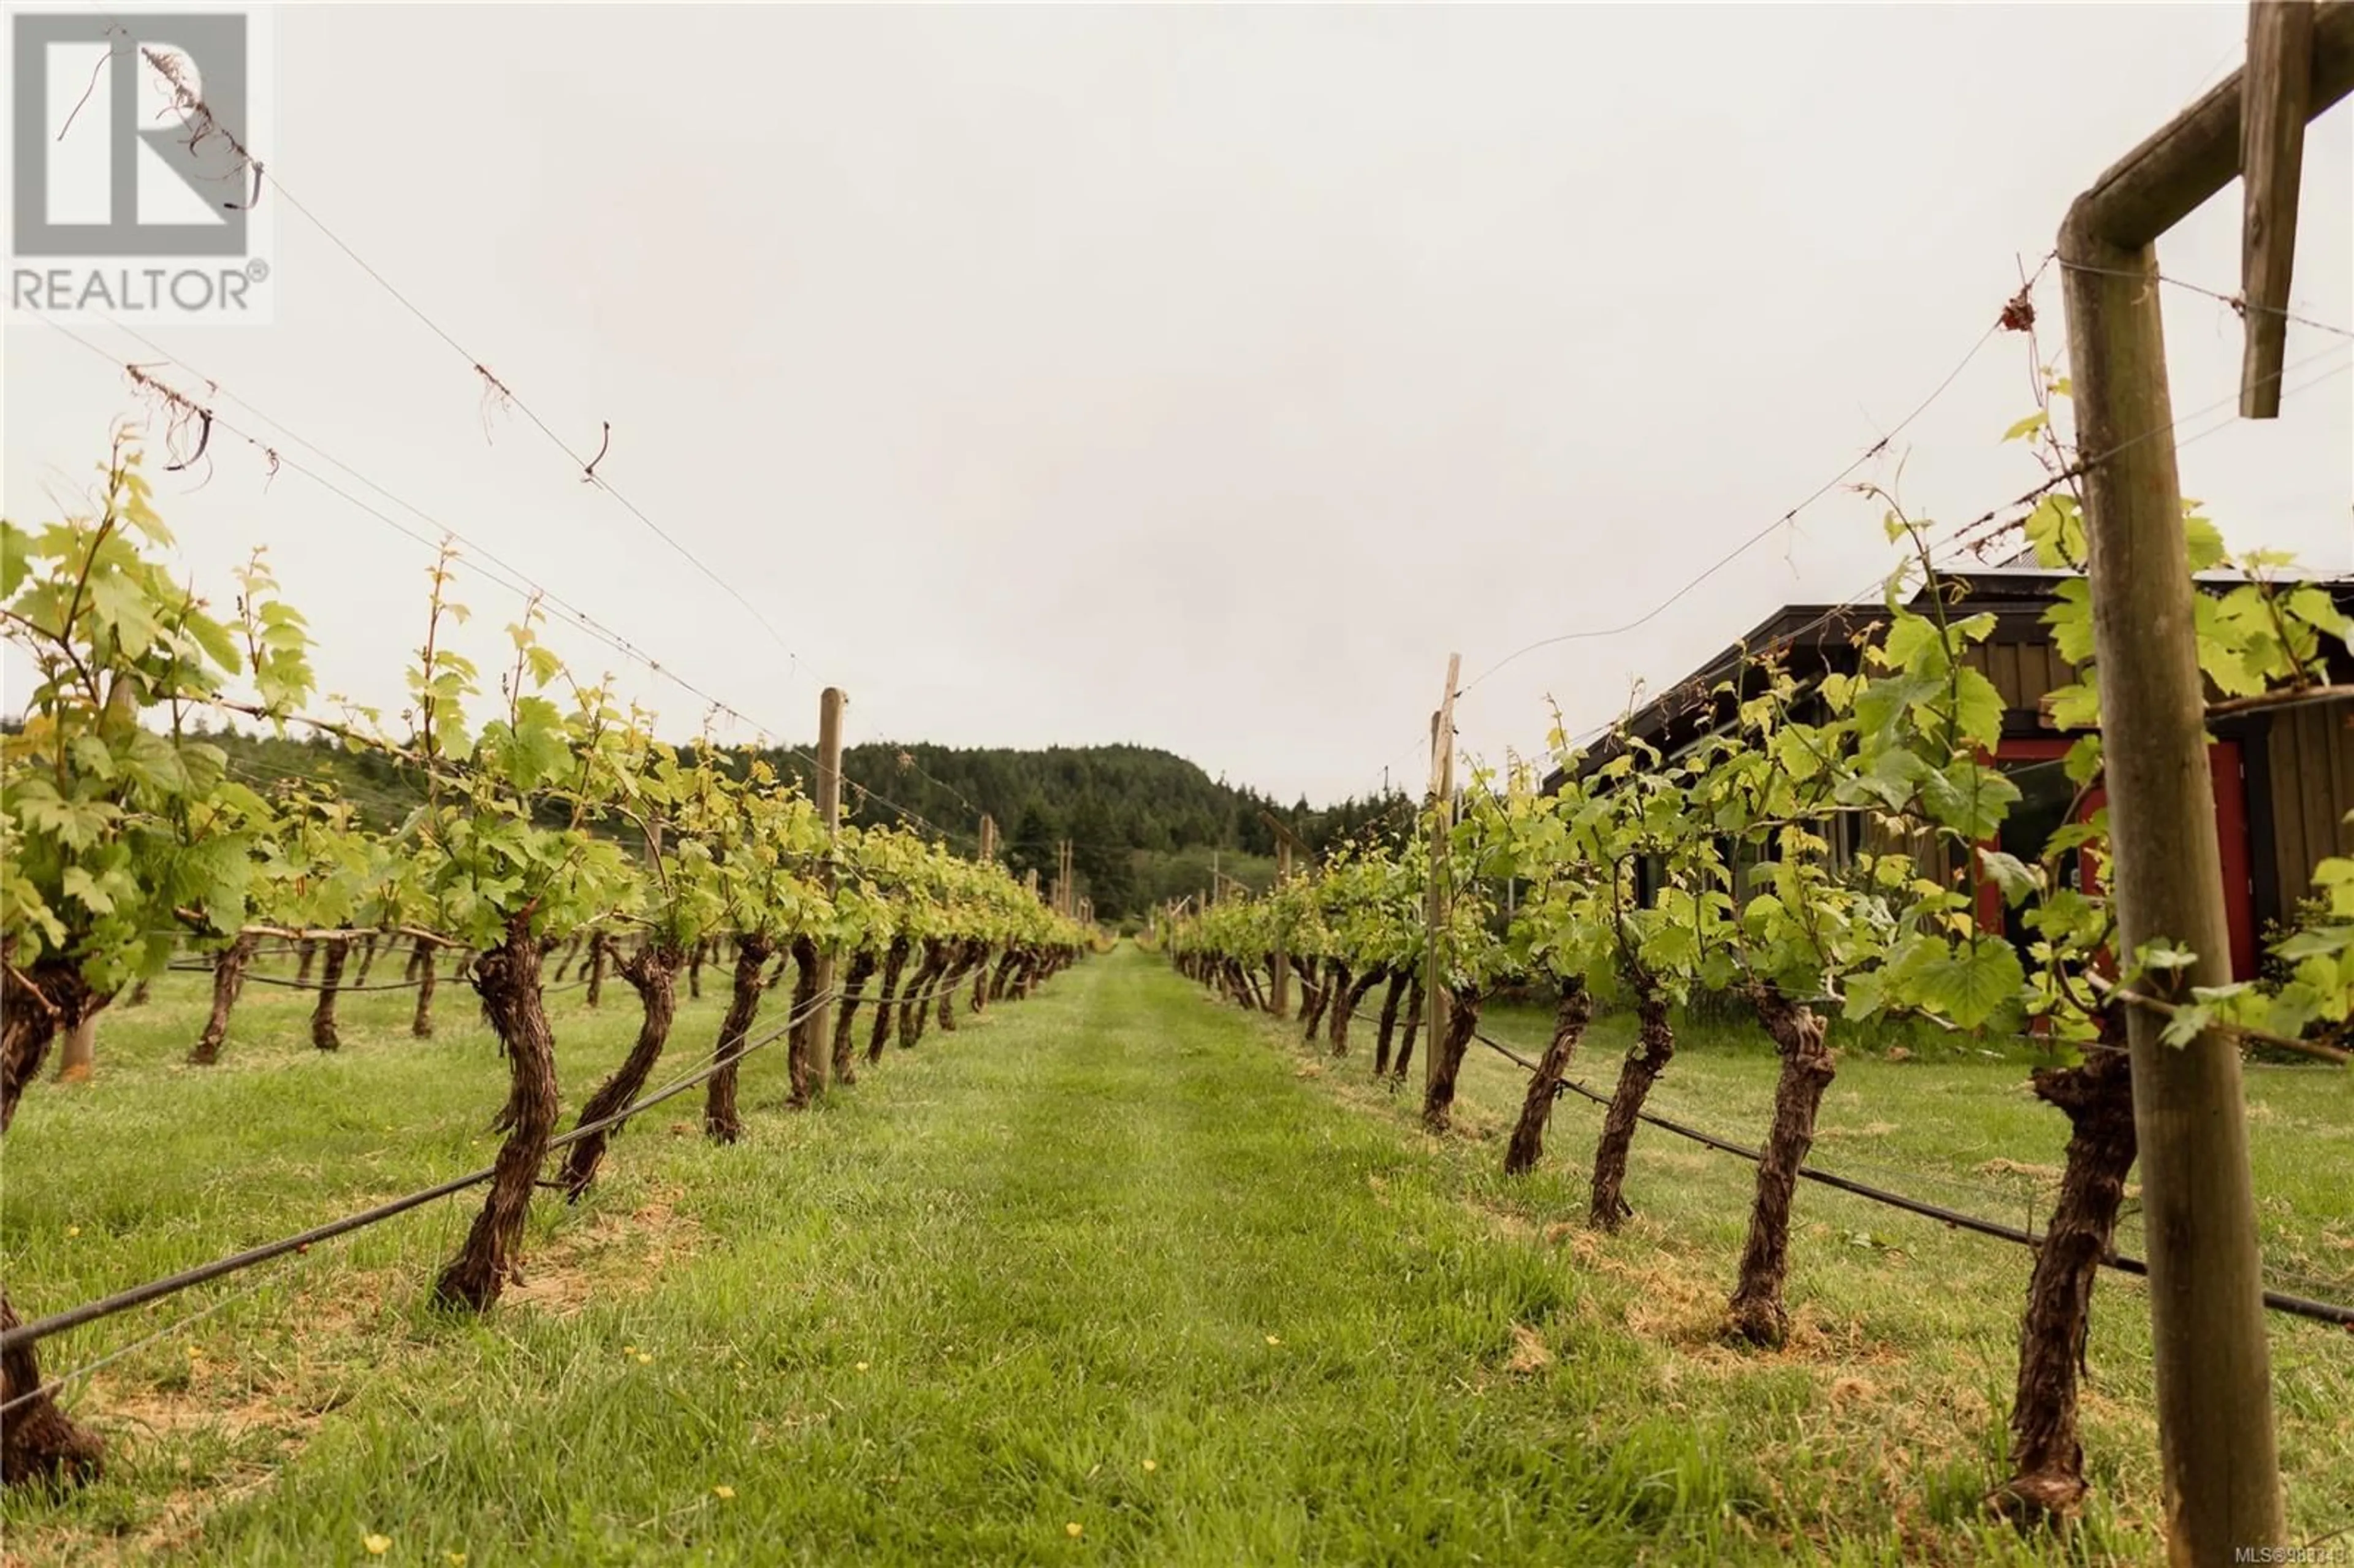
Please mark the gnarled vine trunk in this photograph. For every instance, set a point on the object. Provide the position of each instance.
(2046, 1458)
(323, 1033)
(305, 952)
(1331, 999)
(944, 1006)
(77, 1059)
(1005, 968)
(1655, 1044)
(598, 950)
(695, 970)
(1388, 1032)
(1756, 1312)
(1305, 972)
(944, 978)
(895, 958)
(981, 978)
(1353, 996)
(1570, 1017)
(229, 983)
(51, 998)
(806, 1026)
(506, 977)
(720, 1122)
(422, 964)
(38, 1442)
(1438, 1098)
(1413, 1025)
(367, 960)
(1247, 988)
(652, 973)
(845, 1042)
(1320, 997)
(914, 1005)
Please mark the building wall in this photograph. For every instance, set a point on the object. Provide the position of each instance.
(2023, 672)
(2309, 767)
(2296, 765)
(2296, 810)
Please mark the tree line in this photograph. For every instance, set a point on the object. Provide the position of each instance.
(1143, 823)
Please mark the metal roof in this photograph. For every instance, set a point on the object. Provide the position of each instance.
(2016, 594)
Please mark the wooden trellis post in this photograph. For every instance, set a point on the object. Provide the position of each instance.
(1434, 904)
(1279, 999)
(2273, 110)
(810, 1044)
(2216, 1441)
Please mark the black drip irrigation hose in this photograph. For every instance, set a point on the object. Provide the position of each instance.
(341, 990)
(2279, 1301)
(2308, 1307)
(41, 1328)
(157, 1290)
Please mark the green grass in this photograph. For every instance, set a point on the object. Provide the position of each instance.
(1954, 1121)
(960, 1307)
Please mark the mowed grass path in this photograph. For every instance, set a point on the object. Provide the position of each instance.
(1100, 1259)
(1119, 1257)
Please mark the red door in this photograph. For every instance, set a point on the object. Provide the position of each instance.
(1990, 906)
(2231, 837)
(2231, 833)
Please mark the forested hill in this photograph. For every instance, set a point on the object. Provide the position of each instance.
(1145, 824)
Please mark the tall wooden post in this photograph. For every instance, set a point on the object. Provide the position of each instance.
(988, 838)
(812, 1044)
(2272, 166)
(1285, 843)
(2216, 1444)
(2213, 1370)
(1030, 882)
(1434, 905)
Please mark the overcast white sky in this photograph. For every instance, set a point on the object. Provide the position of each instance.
(1197, 378)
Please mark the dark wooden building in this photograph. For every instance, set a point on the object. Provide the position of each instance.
(2283, 777)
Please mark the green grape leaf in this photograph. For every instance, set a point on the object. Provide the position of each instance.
(2186, 1024)
(1975, 984)
(2016, 879)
